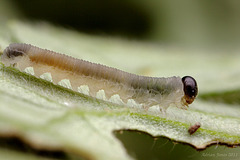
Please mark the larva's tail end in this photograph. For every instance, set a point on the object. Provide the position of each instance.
(13, 53)
(190, 89)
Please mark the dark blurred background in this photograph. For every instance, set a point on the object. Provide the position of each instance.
(115, 17)
(185, 22)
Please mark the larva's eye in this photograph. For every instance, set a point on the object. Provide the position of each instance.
(190, 89)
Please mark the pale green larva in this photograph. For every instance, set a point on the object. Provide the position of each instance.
(101, 81)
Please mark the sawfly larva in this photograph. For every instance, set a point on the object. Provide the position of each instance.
(100, 81)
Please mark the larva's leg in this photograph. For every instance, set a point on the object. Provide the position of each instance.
(145, 107)
(163, 110)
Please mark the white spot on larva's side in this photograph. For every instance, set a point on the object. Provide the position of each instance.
(101, 95)
(29, 70)
(46, 76)
(68, 104)
(84, 89)
(65, 83)
(154, 109)
(116, 99)
(132, 103)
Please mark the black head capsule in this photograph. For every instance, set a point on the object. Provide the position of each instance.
(190, 89)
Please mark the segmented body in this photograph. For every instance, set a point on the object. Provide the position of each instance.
(147, 91)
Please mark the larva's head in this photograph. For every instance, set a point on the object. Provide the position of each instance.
(190, 89)
(13, 54)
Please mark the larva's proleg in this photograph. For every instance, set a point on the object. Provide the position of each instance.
(101, 81)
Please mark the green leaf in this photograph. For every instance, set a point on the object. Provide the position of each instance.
(51, 117)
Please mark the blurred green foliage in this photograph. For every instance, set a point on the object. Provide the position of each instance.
(199, 23)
